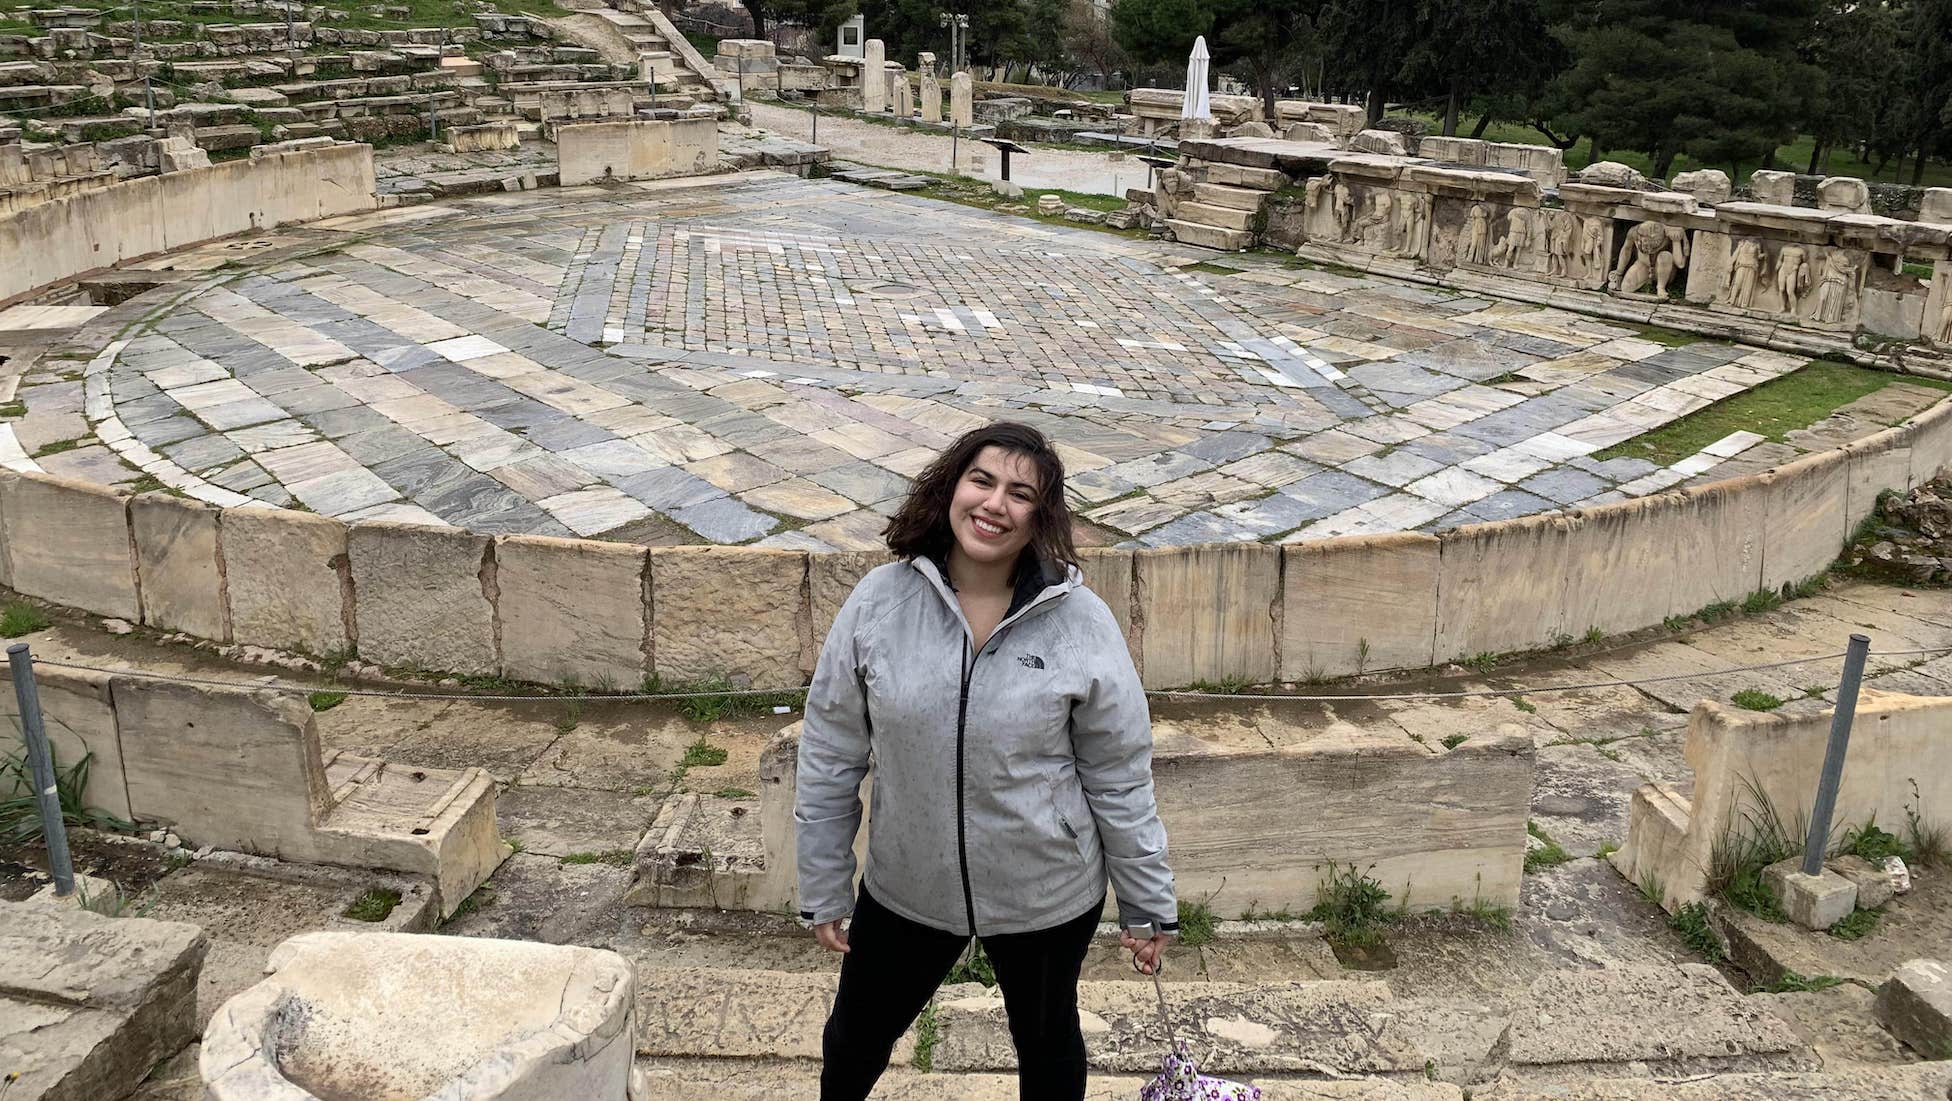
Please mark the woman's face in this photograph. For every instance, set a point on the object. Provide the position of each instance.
(994, 509)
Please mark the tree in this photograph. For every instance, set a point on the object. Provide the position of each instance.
(1365, 43)
(1088, 38)
(1496, 51)
(1856, 46)
(1720, 82)
(1262, 40)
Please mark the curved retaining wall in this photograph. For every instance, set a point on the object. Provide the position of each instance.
(608, 614)
(57, 241)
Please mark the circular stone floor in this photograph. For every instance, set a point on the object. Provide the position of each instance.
(766, 359)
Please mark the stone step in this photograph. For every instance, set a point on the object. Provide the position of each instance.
(1233, 198)
(1237, 175)
(702, 851)
(1843, 1082)
(742, 1080)
(1205, 236)
(1217, 216)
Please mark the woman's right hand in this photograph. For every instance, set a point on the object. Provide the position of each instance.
(831, 936)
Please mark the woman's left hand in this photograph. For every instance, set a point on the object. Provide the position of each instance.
(1148, 955)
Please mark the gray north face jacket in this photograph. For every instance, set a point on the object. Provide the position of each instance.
(1008, 783)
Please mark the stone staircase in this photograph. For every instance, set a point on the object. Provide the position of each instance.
(645, 39)
(1221, 211)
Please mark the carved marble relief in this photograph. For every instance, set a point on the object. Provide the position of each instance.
(1837, 289)
(1515, 246)
(1477, 236)
(1652, 253)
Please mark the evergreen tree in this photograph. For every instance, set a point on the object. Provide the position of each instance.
(1491, 53)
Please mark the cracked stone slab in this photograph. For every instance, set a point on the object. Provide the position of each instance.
(1333, 1026)
(1848, 1082)
(1667, 1021)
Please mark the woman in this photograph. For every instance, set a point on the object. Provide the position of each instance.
(1013, 770)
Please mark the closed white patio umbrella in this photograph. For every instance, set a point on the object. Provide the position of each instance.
(1196, 105)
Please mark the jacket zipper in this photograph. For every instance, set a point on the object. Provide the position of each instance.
(962, 843)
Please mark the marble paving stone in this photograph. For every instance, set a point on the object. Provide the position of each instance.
(726, 520)
(871, 484)
(1333, 490)
(668, 488)
(1507, 505)
(341, 492)
(201, 453)
(1397, 468)
(1565, 485)
(594, 510)
(1454, 487)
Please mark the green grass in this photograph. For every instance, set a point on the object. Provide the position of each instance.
(374, 905)
(1196, 924)
(57, 447)
(1858, 925)
(1484, 661)
(1672, 338)
(1759, 838)
(325, 701)
(1774, 409)
(733, 793)
(619, 857)
(1086, 199)
(1691, 922)
(20, 812)
(1452, 741)
(1550, 856)
(1753, 699)
(704, 706)
(23, 619)
(1874, 844)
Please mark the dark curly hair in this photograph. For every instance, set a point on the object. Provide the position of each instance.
(921, 528)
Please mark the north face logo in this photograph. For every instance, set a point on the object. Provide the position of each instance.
(1031, 661)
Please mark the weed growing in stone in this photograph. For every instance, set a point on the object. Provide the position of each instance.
(20, 811)
(619, 857)
(1484, 913)
(1754, 699)
(1253, 912)
(1227, 686)
(1484, 661)
(483, 895)
(1874, 844)
(374, 905)
(325, 701)
(1196, 923)
(1814, 692)
(1452, 741)
(1606, 850)
(1857, 925)
(572, 716)
(705, 704)
(1362, 655)
(1525, 705)
(1594, 634)
(515, 844)
(1691, 922)
(1552, 855)
(733, 793)
(1351, 906)
(115, 903)
(1928, 842)
(1792, 983)
(23, 619)
(1762, 600)
(928, 1033)
(974, 967)
(1761, 838)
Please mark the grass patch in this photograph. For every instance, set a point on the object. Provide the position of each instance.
(713, 698)
(1211, 268)
(1858, 925)
(1229, 686)
(23, 619)
(1792, 983)
(618, 857)
(1352, 906)
(1552, 855)
(1484, 661)
(1484, 913)
(1452, 741)
(733, 793)
(1671, 338)
(1759, 839)
(1253, 912)
(1762, 600)
(374, 905)
(1874, 844)
(1691, 922)
(1196, 923)
(116, 903)
(701, 754)
(57, 447)
(325, 701)
(1774, 409)
(1754, 699)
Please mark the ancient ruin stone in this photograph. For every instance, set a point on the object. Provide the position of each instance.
(1709, 185)
(1613, 174)
(1916, 1005)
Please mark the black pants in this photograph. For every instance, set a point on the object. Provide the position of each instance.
(894, 965)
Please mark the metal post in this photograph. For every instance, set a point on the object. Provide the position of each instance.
(41, 768)
(1818, 842)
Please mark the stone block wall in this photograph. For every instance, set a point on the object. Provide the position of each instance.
(56, 241)
(636, 150)
(605, 614)
(1258, 827)
(1898, 760)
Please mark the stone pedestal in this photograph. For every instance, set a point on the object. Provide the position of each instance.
(1772, 187)
(406, 1015)
(1812, 901)
(962, 100)
(874, 78)
(931, 90)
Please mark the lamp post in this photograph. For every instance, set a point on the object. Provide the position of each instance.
(958, 25)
